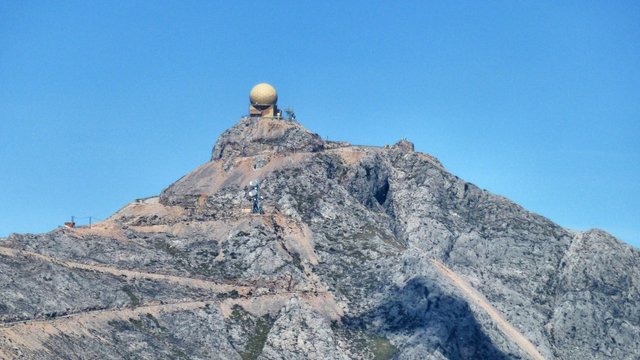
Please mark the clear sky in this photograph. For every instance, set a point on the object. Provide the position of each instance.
(102, 102)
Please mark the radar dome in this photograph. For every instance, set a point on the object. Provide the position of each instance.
(263, 94)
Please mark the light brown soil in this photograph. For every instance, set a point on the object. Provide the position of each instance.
(131, 274)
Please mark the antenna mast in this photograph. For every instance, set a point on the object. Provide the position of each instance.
(254, 194)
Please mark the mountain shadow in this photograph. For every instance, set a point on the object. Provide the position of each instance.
(429, 319)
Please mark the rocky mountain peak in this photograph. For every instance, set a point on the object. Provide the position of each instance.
(404, 145)
(362, 252)
(255, 136)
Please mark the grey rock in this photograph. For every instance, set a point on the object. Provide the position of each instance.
(250, 137)
(341, 265)
(301, 333)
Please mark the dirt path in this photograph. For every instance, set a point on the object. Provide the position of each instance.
(317, 297)
(19, 329)
(149, 307)
(474, 296)
(32, 335)
(131, 274)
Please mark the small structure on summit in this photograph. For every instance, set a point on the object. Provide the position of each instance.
(404, 145)
(70, 224)
(263, 98)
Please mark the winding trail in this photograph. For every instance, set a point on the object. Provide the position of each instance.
(31, 335)
(18, 329)
(474, 296)
(244, 292)
(131, 274)
(109, 313)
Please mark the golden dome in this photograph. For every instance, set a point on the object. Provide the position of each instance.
(263, 94)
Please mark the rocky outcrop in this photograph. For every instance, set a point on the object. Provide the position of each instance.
(301, 333)
(340, 265)
(252, 137)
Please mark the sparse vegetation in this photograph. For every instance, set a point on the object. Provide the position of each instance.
(135, 301)
(155, 321)
(256, 342)
(382, 348)
(257, 330)
(162, 245)
(234, 294)
(297, 261)
(138, 324)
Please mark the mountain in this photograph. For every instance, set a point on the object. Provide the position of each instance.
(361, 252)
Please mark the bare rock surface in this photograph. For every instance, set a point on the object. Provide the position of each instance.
(343, 264)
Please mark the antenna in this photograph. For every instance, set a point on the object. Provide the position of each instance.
(254, 194)
(290, 113)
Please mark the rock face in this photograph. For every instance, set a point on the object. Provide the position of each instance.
(362, 253)
(250, 137)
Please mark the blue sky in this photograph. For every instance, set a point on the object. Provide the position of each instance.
(102, 102)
